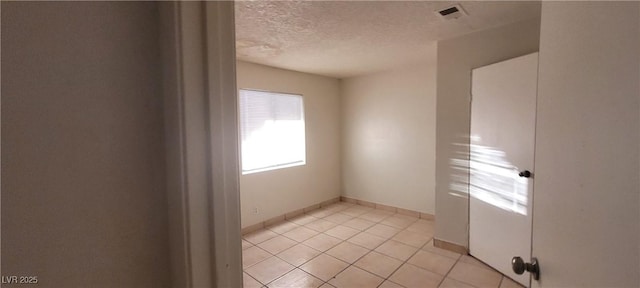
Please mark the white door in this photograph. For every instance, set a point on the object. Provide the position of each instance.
(503, 115)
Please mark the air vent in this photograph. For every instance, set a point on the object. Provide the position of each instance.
(453, 12)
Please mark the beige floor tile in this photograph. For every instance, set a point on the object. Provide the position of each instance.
(379, 264)
(412, 238)
(322, 242)
(253, 255)
(269, 270)
(300, 234)
(432, 262)
(353, 277)
(395, 238)
(299, 254)
(277, 244)
(356, 210)
(429, 247)
(337, 207)
(321, 213)
(451, 283)
(367, 240)
(342, 232)
(475, 262)
(396, 250)
(296, 278)
(383, 231)
(283, 227)
(475, 275)
(338, 218)
(423, 226)
(411, 276)
(324, 267)
(424, 267)
(399, 221)
(508, 283)
(249, 282)
(246, 244)
(389, 284)
(259, 236)
(348, 252)
(321, 225)
(359, 223)
(303, 219)
(376, 215)
(341, 205)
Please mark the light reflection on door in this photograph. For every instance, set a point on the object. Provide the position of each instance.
(494, 180)
(486, 174)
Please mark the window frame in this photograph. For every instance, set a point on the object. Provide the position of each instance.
(240, 134)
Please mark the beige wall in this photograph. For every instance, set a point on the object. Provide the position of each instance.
(456, 58)
(280, 191)
(585, 226)
(83, 198)
(388, 137)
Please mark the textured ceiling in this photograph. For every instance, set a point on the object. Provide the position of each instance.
(348, 38)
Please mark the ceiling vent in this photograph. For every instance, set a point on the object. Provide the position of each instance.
(453, 12)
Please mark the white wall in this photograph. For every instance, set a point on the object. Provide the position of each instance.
(83, 194)
(388, 137)
(585, 227)
(456, 58)
(281, 191)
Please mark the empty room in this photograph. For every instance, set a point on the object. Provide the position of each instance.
(320, 144)
(415, 138)
(337, 116)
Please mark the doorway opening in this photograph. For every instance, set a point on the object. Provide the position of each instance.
(367, 73)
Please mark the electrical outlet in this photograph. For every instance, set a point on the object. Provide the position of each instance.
(254, 210)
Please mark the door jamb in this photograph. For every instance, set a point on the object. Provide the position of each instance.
(199, 90)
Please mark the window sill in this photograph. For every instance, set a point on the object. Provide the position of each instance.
(274, 168)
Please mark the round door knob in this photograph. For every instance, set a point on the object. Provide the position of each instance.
(518, 266)
(525, 174)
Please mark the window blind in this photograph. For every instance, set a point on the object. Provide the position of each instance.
(272, 130)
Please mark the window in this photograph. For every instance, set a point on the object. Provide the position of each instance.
(272, 130)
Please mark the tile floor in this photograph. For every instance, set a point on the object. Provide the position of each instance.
(347, 245)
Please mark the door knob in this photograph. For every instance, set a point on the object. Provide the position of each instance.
(525, 174)
(519, 266)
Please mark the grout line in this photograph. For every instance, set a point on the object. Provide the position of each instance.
(405, 261)
(346, 240)
(450, 269)
(368, 210)
(358, 216)
(370, 250)
(297, 242)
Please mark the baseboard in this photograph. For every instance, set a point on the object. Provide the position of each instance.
(287, 216)
(393, 209)
(311, 208)
(450, 246)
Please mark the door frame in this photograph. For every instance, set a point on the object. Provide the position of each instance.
(199, 91)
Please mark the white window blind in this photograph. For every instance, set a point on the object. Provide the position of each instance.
(272, 130)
